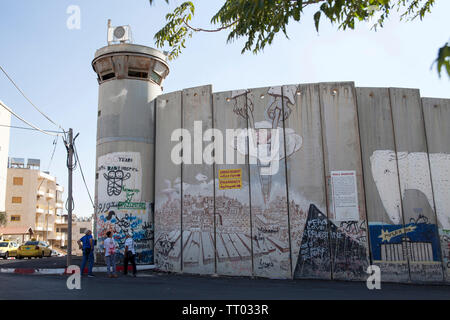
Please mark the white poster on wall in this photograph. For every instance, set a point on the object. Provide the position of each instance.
(120, 178)
(345, 195)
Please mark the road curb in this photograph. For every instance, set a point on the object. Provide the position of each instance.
(62, 271)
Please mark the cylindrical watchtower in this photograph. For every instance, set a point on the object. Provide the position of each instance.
(130, 78)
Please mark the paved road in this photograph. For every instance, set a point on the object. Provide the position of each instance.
(153, 285)
(36, 263)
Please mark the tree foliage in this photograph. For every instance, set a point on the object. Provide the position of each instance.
(258, 21)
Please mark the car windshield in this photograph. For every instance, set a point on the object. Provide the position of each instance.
(3, 244)
(31, 243)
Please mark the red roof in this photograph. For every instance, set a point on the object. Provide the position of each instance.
(16, 230)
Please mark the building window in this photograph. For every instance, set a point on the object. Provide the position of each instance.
(82, 230)
(18, 181)
(16, 199)
(15, 218)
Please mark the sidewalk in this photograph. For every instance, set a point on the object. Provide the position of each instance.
(54, 265)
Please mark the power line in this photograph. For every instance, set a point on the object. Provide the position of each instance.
(55, 142)
(31, 102)
(24, 128)
(82, 174)
(25, 121)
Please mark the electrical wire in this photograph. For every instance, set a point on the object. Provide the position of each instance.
(28, 123)
(82, 174)
(23, 94)
(55, 142)
(24, 128)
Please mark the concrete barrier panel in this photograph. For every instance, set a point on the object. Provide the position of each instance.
(422, 240)
(198, 246)
(306, 182)
(437, 117)
(382, 188)
(232, 192)
(167, 185)
(270, 231)
(345, 190)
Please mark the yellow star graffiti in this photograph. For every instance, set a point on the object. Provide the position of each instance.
(387, 236)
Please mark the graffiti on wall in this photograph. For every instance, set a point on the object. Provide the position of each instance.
(415, 175)
(395, 243)
(120, 209)
(168, 222)
(270, 233)
(417, 240)
(323, 243)
(122, 222)
(116, 171)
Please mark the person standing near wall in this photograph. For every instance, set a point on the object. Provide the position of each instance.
(87, 245)
(129, 254)
(110, 255)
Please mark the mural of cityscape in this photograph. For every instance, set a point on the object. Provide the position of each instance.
(334, 191)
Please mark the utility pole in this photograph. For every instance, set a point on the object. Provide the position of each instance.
(69, 147)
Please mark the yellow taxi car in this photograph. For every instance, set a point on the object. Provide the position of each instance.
(33, 248)
(8, 249)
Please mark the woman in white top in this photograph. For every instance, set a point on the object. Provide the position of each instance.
(110, 254)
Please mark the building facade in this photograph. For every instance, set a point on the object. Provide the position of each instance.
(34, 200)
(79, 227)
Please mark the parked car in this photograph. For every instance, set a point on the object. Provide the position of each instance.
(8, 249)
(37, 249)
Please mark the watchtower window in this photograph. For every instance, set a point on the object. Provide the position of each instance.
(108, 76)
(156, 77)
(137, 74)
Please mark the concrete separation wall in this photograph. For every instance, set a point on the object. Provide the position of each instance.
(436, 116)
(362, 178)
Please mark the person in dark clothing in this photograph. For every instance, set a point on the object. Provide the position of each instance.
(129, 255)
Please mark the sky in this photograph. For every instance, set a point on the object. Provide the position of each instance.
(52, 65)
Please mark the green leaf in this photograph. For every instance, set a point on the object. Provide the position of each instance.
(317, 20)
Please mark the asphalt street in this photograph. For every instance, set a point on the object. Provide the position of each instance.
(161, 286)
(37, 263)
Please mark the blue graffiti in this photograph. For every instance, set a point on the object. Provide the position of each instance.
(412, 233)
